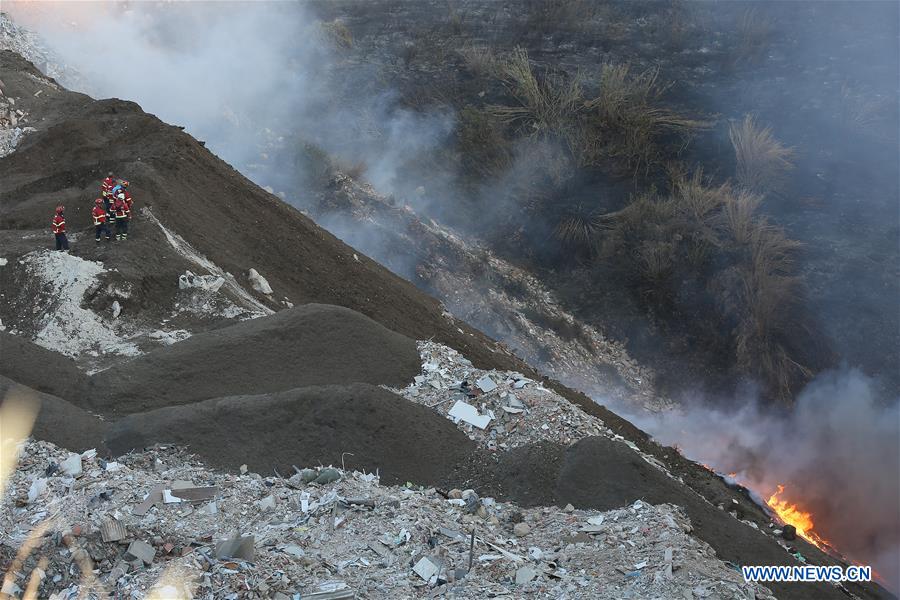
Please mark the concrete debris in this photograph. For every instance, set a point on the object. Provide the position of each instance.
(240, 547)
(142, 551)
(112, 530)
(469, 414)
(391, 542)
(501, 409)
(259, 282)
(210, 283)
(525, 575)
(71, 466)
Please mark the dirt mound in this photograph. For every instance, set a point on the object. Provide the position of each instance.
(364, 426)
(58, 421)
(307, 345)
(25, 362)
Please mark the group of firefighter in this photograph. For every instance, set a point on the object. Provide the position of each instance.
(113, 206)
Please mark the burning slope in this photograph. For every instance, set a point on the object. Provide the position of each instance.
(792, 514)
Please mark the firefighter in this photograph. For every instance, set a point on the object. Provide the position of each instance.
(58, 226)
(106, 186)
(122, 213)
(101, 224)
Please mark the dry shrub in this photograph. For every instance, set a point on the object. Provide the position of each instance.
(338, 33)
(771, 297)
(624, 123)
(762, 161)
(580, 226)
(739, 216)
(545, 106)
(712, 234)
(481, 60)
(627, 116)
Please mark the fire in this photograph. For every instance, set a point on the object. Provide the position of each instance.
(792, 514)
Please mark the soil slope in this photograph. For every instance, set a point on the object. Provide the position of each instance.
(303, 346)
(360, 426)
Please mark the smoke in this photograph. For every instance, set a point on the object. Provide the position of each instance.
(254, 80)
(837, 451)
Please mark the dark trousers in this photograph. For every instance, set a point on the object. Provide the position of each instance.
(62, 242)
(121, 228)
(102, 228)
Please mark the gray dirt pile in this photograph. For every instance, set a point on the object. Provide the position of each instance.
(44, 370)
(298, 347)
(359, 426)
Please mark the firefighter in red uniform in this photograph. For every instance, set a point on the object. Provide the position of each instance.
(101, 225)
(123, 213)
(106, 187)
(58, 226)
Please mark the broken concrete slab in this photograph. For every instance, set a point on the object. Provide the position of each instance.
(428, 568)
(239, 547)
(486, 384)
(468, 413)
(525, 575)
(141, 551)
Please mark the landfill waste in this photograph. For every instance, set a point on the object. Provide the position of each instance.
(501, 409)
(351, 537)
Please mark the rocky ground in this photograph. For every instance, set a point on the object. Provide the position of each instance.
(160, 524)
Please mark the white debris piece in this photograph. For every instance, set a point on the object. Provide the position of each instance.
(169, 337)
(3, 261)
(468, 413)
(71, 466)
(65, 326)
(116, 309)
(486, 384)
(259, 282)
(209, 283)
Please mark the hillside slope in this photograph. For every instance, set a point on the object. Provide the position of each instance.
(199, 214)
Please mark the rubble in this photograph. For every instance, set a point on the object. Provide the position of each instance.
(499, 410)
(259, 283)
(355, 538)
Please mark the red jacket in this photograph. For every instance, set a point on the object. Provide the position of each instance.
(121, 209)
(128, 199)
(99, 214)
(107, 185)
(58, 224)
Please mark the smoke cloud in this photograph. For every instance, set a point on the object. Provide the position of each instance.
(837, 451)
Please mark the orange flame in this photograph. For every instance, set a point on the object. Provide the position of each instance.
(792, 514)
